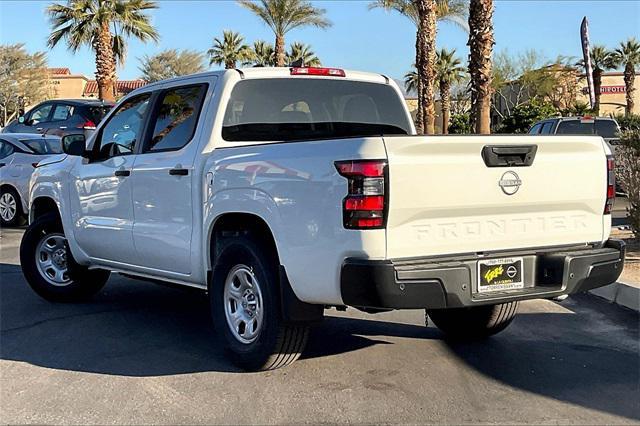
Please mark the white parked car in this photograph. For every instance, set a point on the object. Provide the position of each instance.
(281, 191)
(20, 153)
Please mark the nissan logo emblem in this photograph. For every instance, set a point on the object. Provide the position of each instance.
(510, 183)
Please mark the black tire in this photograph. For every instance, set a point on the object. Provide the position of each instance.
(82, 282)
(18, 217)
(277, 344)
(474, 323)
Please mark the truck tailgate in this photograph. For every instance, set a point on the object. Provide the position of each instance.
(444, 199)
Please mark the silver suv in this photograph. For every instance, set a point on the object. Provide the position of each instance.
(19, 155)
(605, 127)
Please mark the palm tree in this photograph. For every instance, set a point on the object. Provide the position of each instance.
(229, 50)
(449, 70)
(628, 55)
(480, 44)
(601, 60)
(303, 51)
(89, 22)
(452, 11)
(411, 80)
(425, 61)
(264, 54)
(283, 16)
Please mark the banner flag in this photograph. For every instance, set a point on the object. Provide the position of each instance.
(586, 54)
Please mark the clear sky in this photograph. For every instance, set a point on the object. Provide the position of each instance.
(359, 39)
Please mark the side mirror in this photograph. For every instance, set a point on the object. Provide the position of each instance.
(74, 145)
(21, 119)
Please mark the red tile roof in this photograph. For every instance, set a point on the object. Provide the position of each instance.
(123, 87)
(59, 71)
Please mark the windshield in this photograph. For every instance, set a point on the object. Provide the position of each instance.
(293, 109)
(96, 114)
(605, 128)
(44, 146)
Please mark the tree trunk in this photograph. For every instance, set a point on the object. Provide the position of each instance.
(230, 65)
(105, 64)
(445, 99)
(597, 82)
(480, 44)
(419, 87)
(426, 68)
(280, 51)
(629, 80)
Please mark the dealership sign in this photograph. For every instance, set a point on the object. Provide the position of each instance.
(613, 89)
(608, 90)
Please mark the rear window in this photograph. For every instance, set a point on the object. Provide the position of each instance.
(294, 109)
(44, 146)
(604, 128)
(97, 113)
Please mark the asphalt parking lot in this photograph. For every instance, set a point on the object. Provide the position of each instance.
(141, 353)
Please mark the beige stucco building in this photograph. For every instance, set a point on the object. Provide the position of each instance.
(613, 94)
(66, 85)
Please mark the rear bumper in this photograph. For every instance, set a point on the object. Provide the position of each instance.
(452, 283)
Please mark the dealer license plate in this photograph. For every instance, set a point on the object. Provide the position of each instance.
(500, 274)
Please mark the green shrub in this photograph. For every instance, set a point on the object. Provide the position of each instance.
(630, 122)
(577, 109)
(628, 174)
(460, 124)
(526, 115)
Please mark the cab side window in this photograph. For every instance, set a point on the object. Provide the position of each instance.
(176, 117)
(40, 114)
(124, 128)
(6, 149)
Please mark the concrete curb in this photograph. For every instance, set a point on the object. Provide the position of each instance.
(620, 293)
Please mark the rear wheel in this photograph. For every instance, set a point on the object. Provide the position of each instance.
(474, 323)
(10, 207)
(49, 267)
(245, 305)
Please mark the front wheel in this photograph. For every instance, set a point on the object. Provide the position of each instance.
(474, 323)
(49, 267)
(246, 311)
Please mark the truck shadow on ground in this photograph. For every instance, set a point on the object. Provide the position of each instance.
(135, 328)
(140, 329)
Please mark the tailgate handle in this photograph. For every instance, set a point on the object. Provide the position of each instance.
(509, 155)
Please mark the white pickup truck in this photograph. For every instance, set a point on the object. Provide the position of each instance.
(282, 192)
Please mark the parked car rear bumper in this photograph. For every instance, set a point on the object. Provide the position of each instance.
(452, 283)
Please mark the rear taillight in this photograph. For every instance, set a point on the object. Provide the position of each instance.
(611, 185)
(87, 125)
(330, 72)
(365, 205)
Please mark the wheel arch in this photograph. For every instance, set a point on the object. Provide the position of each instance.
(43, 205)
(232, 223)
(228, 225)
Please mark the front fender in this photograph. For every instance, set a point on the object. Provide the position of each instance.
(52, 182)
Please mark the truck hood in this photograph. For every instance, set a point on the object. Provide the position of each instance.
(52, 159)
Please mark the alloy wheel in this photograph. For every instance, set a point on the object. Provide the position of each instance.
(8, 207)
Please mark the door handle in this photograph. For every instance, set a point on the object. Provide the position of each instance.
(122, 173)
(39, 129)
(63, 127)
(179, 172)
